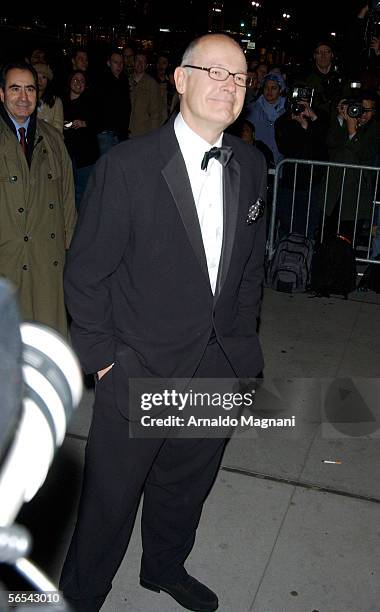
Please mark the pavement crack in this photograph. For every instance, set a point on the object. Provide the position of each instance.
(300, 484)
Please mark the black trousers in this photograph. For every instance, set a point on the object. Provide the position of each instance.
(175, 476)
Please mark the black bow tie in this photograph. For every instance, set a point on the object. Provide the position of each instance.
(222, 154)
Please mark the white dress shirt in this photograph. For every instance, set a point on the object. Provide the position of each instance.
(207, 188)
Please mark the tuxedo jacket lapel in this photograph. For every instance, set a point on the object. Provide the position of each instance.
(175, 174)
(231, 191)
(179, 185)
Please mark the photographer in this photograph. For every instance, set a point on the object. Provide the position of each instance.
(326, 82)
(362, 44)
(353, 138)
(298, 135)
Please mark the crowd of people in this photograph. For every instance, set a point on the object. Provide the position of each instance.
(134, 93)
(95, 107)
(325, 116)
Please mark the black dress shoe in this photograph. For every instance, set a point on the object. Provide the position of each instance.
(188, 592)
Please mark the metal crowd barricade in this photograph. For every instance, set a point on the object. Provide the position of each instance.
(322, 185)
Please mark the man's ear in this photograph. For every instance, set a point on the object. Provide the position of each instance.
(180, 77)
(1, 94)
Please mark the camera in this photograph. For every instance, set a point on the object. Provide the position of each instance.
(354, 109)
(41, 385)
(298, 97)
(354, 106)
(297, 107)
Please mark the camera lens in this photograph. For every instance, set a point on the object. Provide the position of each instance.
(354, 110)
(297, 107)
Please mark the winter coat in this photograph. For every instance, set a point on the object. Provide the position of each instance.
(328, 89)
(53, 115)
(37, 220)
(113, 105)
(81, 143)
(146, 114)
(295, 142)
(264, 124)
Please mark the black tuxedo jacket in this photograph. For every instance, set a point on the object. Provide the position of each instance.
(136, 277)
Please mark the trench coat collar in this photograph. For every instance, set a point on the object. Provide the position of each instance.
(31, 133)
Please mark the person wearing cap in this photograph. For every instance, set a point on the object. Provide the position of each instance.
(264, 112)
(325, 81)
(49, 107)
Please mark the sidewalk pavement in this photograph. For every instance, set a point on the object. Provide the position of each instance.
(281, 531)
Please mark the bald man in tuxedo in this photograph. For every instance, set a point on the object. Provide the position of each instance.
(164, 279)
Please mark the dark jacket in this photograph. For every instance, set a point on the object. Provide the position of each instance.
(81, 143)
(360, 150)
(113, 104)
(328, 90)
(137, 283)
(295, 142)
(357, 53)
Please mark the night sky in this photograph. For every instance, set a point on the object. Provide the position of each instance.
(307, 16)
(310, 21)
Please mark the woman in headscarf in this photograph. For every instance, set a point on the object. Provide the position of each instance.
(266, 109)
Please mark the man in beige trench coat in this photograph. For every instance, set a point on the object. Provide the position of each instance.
(37, 211)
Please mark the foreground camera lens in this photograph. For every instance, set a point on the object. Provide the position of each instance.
(354, 111)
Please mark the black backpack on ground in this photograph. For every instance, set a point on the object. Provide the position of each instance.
(289, 270)
(370, 280)
(333, 267)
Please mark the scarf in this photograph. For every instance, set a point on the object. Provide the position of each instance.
(272, 111)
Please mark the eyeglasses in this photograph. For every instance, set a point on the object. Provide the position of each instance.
(222, 74)
(80, 81)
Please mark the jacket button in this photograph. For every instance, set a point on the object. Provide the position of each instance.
(52, 235)
(55, 263)
(21, 210)
(26, 238)
(51, 205)
(24, 267)
(13, 179)
(50, 176)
